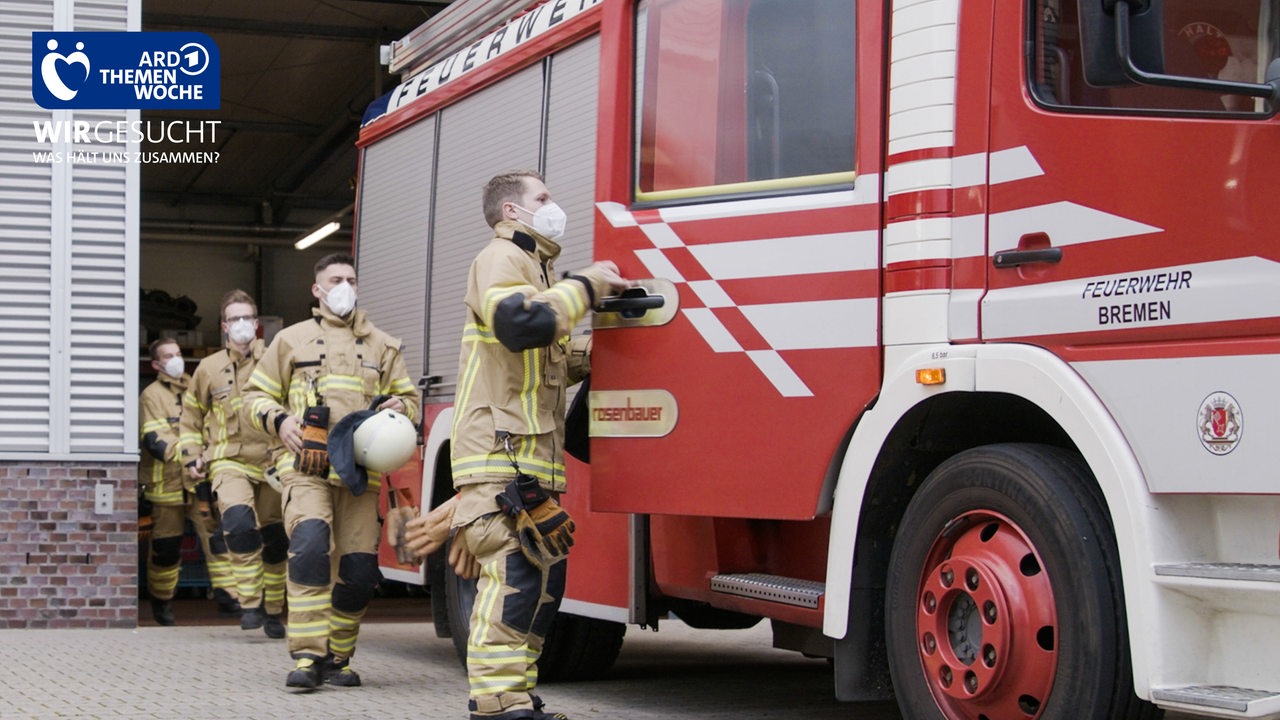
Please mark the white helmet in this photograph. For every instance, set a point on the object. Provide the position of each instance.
(384, 441)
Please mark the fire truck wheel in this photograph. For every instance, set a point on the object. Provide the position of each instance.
(1004, 597)
(460, 597)
(576, 648)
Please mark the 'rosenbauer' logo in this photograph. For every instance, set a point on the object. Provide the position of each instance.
(125, 70)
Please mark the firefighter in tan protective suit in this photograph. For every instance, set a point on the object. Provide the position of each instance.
(220, 446)
(168, 496)
(312, 375)
(508, 437)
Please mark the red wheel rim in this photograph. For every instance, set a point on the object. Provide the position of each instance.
(986, 626)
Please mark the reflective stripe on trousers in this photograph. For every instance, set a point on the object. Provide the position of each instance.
(235, 488)
(162, 580)
(515, 603)
(327, 527)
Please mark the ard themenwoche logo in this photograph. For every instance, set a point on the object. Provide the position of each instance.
(125, 70)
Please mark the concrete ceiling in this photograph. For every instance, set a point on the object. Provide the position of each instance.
(296, 78)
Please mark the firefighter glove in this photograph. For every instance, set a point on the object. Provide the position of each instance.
(548, 530)
(544, 529)
(397, 523)
(428, 533)
(204, 506)
(314, 458)
(464, 564)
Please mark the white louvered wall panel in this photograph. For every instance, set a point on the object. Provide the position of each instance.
(26, 211)
(102, 307)
(394, 220)
(68, 338)
(496, 130)
(571, 147)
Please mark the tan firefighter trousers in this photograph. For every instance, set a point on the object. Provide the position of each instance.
(253, 525)
(333, 564)
(164, 561)
(515, 603)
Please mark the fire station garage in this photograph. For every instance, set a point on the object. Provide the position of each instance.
(124, 225)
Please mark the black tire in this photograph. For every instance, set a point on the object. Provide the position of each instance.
(435, 581)
(580, 648)
(460, 597)
(576, 648)
(1004, 597)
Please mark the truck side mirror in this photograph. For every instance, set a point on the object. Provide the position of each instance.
(1103, 66)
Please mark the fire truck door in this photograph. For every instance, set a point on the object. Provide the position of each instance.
(1131, 226)
(755, 208)
(1118, 214)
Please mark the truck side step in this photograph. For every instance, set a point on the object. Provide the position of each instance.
(1222, 571)
(774, 588)
(1246, 701)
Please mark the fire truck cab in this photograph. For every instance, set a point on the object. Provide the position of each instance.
(954, 352)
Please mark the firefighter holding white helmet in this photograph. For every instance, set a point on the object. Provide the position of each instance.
(508, 438)
(311, 377)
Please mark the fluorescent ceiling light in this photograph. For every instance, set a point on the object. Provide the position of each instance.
(317, 235)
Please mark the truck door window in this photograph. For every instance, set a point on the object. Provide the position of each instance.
(742, 96)
(1217, 39)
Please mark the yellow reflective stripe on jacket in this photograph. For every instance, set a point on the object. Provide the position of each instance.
(331, 382)
(531, 361)
(174, 497)
(266, 384)
(252, 471)
(572, 298)
(261, 407)
(477, 333)
(501, 465)
(191, 401)
(155, 425)
(220, 438)
(399, 386)
(471, 335)
(498, 293)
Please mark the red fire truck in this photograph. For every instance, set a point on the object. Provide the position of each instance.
(957, 356)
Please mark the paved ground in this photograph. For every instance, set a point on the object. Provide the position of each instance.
(209, 669)
(218, 671)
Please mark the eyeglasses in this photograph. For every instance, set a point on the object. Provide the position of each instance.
(241, 317)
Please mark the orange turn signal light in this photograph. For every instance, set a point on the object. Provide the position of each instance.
(931, 376)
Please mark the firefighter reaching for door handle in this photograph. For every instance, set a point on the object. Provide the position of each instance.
(507, 441)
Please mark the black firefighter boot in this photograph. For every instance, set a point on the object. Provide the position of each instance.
(305, 676)
(227, 606)
(162, 611)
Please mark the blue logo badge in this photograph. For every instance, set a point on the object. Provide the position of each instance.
(125, 70)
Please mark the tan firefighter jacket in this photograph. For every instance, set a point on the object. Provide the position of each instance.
(159, 473)
(514, 366)
(343, 363)
(213, 426)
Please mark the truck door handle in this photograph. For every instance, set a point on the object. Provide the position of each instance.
(630, 303)
(1014, 258)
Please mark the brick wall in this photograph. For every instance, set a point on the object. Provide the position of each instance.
(62, 565)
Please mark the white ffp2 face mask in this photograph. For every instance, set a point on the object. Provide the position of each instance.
(549, 221)
(174, 366)
(341, 299)
(242, 331)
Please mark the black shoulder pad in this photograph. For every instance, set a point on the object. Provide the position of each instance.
(520, 328)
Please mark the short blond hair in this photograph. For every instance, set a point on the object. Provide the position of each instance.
(237, 296)
(158, 343)
(505, 188)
